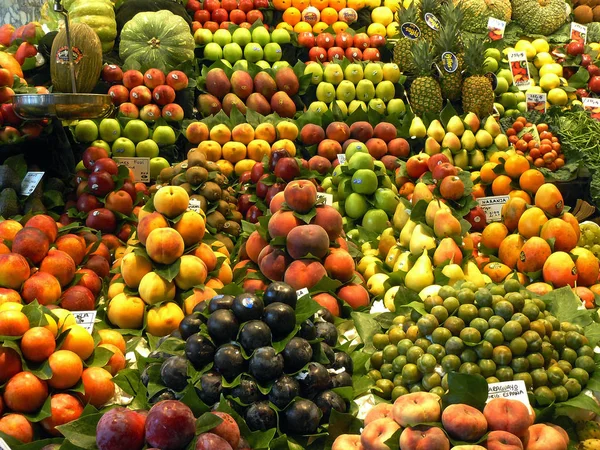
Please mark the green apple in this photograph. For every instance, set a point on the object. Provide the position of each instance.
(86, 131)
(261, 36)
(241, 64)
(102, 144)
(316, 72)
(213, 51)
(506, 74)
(356, 206)
(502, 86)
(318, 107)
(222, 37)
(374, 72)
(123, 147)
(364, 181)
(345, 91)
(136, 130)
(203, 36)
(263, 64)
(375, 220)
(493, 53)
(333, 73)
(164, 135)
(365, 90)
(509, 100)
(281, 36)
(391, 72)
(253, 52)
(325, 92)
(396, 106)
(361, 161)
(232, 52)
(385, 91)
(147, 149)
(354, 72)
(156, 165)
(490, 64)
(386, 200)
(378, 105)
(273, 52)
(110, 129)
(242, 37)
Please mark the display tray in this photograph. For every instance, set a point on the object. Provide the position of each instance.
(62, 106)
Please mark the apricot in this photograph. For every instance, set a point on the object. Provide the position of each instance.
(18, 427)
(43, 287)
(463, 422)
(164, 319)
(276, 202)
(533, 255)
(300, 195)
(10, 363)
(164, 245)
(199, 295)
(64, 408)
(9, 228)
(304, 273)
(340, 266)
(171, 201)
(549, 199)
(354, 294)
(133, 268)
(561, 232)
(281, 223)
(126, 312)
(377, 148)
(510, 249)
(319, 164)
(73, 245)
(32, 244)
(560, 270)
(150, 223)
(512, 211)
(98, 386)
(587, 266)
(154, 289)
(25, 393)
(192, 272)
(206, 254)
(59, 264)
(306, 240)
(191, 227)
(531, 222)
(117, 361)
(273, 262)
(507, 415)
(45, 224)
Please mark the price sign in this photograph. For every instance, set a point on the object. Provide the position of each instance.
(140, 167)
(341, 158)
(536, 102)
(301, 292)
(85, 319)
(3, 445)
(492, 207)
(514, 390)
(496, 28)
(578, 32)
(591, 104)
(327, 197)
(520, 70)
(194, 205)
(30, 182)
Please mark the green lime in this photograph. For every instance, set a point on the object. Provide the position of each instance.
(466, 296)
(413, 333)
(496, 322)
(580, 375)
(539, 327)
(446, 291)
(504, 373)
(504, 309)
(497, 289)
(502, 355)
(399, 320)
(410, 373)
(454, 346)
(445, 381)
(526, 294)
(511, 330)
(387, 371)
(480, 325)
(488, 367)
(540, 377)
(534, 341)
(568, 354)
(520, 364)
(451, 304)
(518, 346)
(470, 368)
(586, 350)
(427, 324)
(554, 322)
(526, 377)
(468, 355)
(398, 379)
(548, 352)
(539, 303)
(516, 299)
(423, 343)
(437, 351)
(438, 390)
(398, 363)
(399, 391)
(431, 301)
(522, 319)
(454, 324)
(556, 376)
(413, 354)
(536, 361)
(440, 335)
(512, 285)
(440, 313)
(404, 345)
(377, 360)
(389, 353)
(573, 387)
(415, 315)
(565, 366)
(574, 340)
(483, 298)
(380, 340)
(496, 299)
(558, 340)
(426, 363)
(469, 285)
(468, 312)
(470, 335)
(494, 337)
(386, 387)
(486, 312)
(484, 350)
(374, 375)
(544, 396)
(560, 393)
(531, 311)
(450, 363)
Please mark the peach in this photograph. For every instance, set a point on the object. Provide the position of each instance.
(503, 440)
(281, 223)
(375, 434)
(200, 295)
(338, 131)
(354, 294)
(206, 254)
(328, 301)
(171, 201)
(192, 272)
(100, 250)
(377, 148)
(507, 415)
(164, 319)
(14, 270)
(254, 245)
(149, 223)
(329, 149)
(330, 220)
(300, 195)
(304, 273)
(276, 202)
(273, 262)
(385, 131)
(252, 285)
(562, 432)
(191, 227)
(311, 134)
(379, 411)
(417, 407)
(90, 280)
(45, 224)
(154, 289)
(306, 240)
(73, 245)
(423, 437)
(9, 295)
(117, 361)
(9, 228)
(319, 164)
(59, 264)
(4, 248)
(347, 442)
(469, 447)
(17, 427)
(541, 437)
(111, 241)
(133, 269)
(43, 287)
(463, 422)
(164, 245)
(340, 265)
(32, 244)
(399, 148)
(560, 270)
(77, 298)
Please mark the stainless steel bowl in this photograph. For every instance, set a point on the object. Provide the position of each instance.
(62, 106)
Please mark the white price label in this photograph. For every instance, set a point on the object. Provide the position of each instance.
(140, 167)
(520, 70)
(536, 102)
(492, 207)
(496, 28)
(30, 182)
(85, 319)
(514, 390)
(194, 205)
(341, 158)
(578, 32)
(301, 292)
(327, 197)
(590, 103)
(4, 445)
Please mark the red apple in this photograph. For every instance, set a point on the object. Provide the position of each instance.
(443, 170)
(593, 84)
(112, 73)
(150, 113)
(435, 160)
(317, 54)
(306, 39)
(354, 54)
(91, 155)
(154, 78)
(593, 70)
(9, 116)
(254, 15)
(140, 96)
(325, 40)
(575, 48)
(377, 40)
(172, 113)
(335, 53)
(105, 165)
(133, 78)
(177, 80)
(586, 60)
(476, 218)
(118, 94)
(371, 54)
(9, 135)
(163, 95)
(344, 40)
(416, 165)
(129, 110)
(362, 41)
(6, 94)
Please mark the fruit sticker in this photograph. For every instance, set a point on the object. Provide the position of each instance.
(449, 62)
(536, 102)
(492, 207)
(432, 22)
(140, 167)
(513, 390)
(301, 292)
(520, 70)
(62, 55)
(496, 28)
(410, 31)
(30, 182)
(578, 32)
(592, 105)
(85, 319)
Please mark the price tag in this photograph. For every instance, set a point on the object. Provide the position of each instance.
(194, 205)
(514, 390)
(536, 102)
(496, 28)
(140, 167)
(341, 158)
(593, 106)
(578, 32)
(520, 70)
(492, 207)
(85, 319)
(301, 292)
(327, 197)
(4, 445)
(30, 182)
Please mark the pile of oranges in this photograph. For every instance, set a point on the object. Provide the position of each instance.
(543, 150)
(317, 15)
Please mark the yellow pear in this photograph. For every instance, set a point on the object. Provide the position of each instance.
(421, 274)
(401, 216)
(432, 209)
(501, 141)
(484, 139)
(375, 283)
(421, 192)
(388, 298)
(477, 159)
(452, 142)
(473, 274)
(454, 272)
(461, 159)
(392, 256)
(468, 141)
(436, 130)
(406, 233)
(403, 262)
(445, 224)
(432, 146)
(365, 261)
(492, 126)
(449, 155)
(417, 128)
(472, 121)
(422, 238)
(429, 291)
(456, 126)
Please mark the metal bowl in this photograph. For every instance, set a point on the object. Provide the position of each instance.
(62, 106)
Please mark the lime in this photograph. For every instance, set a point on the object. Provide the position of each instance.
(586, 350)
(374, 375)
(467, 312)
(399, 391)
(377, 360)
(479, 324)
(539, 377)
(466, 296)
(488, 367)
(511, 330)
(450, 363)
(398, 379)
(518, 346)
(416, 388)
(454, 324)
(415, 315)
(483, 297)
(380, 341)
(522, 319)
(427, 324)
(396, 334)
(526, 377)
(548, 352)
(565, 366)
(454, 346)
(539, 303)
(555, 375)
(413, 354)
(502, 355)
(486, 312)
(441, 335)
(560, 393)
(398, 363)
(469, 285)
(497, 290)
(512, 285)
(426, 363)
(470, 368)
(504, 373)
(470, 335)
(496, 322)
(404, 345)
(386, 387)
(491, 380)
(484, 350)
(573, 387)
(431, 380)
(451, 304)
(431, 301)
(389, 353)
(534, 341)
(387, 371)
(554, 322)
(536, 361)
(413, 333)
(440, 313)
(531, 310)
(468, 355)
(399, 320)
(520, 364)
(494, 337)
(544, 396)
(446, 292)
(496, 299)
(437, 351)
(410, 373)
(504, 309)
(586, 363)
(539, 327)
(423, 343)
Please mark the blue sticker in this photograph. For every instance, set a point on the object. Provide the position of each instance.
(410, 31)
(432, 22)
(449, 62)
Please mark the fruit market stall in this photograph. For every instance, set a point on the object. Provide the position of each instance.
(300, 224)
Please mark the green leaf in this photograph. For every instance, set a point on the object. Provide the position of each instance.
(43, 413)
(168, 272)
(128, 380)
(341, 423)
(447, 113)
(207, 422)
(18, 164)
(36, 445)
(305, 309)
(366, 326)
(563, 303)
(99, 358)
(465, 388)
(82, 432)
(576, 404)
(393, 442)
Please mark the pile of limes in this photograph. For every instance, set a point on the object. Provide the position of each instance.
(590, 237)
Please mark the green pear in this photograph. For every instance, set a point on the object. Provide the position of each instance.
(461, 159)
(501, 141)
(445, 224)
(396, 106)
(447, 250)
(421, 274)
(468, 141)
(318, 107)
(436, 131)
(422, 238)
(400, 216)
(315, 71)
(473, 274)
(345, 91)
(374, 72)
(365, 90)
(421, 192)
(454, 272)
(432, 146)
(333, 73)
(417, 128)
(378, 105)
(452, 142)
(433, 207)
(449, 155)
(484, 139)
(325, 92)
(354, 72)
(477, 159)
(406, 233)
(403, 262)
(355, 104)
(456, 126)
(472, 121)
(385, 90)
(492, 126)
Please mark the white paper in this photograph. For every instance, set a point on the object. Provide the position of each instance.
(194, 205)
(140, 167)
(492, 207)
(590, 103)
(514, 390)
(496, 24)
(341, 158)
(301, 292)
(4, 445)
(534, 100)
(328, 198)
(30, 182)
(85, 319)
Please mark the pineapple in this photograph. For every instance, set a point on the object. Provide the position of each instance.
(428, 6)
(402, 49)
(425, 93)
(447, 41)
(452, 14)
(477, 93)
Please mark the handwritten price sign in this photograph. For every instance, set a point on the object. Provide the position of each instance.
(85, 319)
(140, 167)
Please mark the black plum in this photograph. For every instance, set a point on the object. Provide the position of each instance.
(191, 324)
(266, 364)
(247, 391)
(328, 332)
(220, 302)
(260, 416)
(313, 379)
(247, 307)
(222, 326)
(328, 400)
(284, 390)
(296, 354)
(199, 350)
(229, 361)
(343, 360)
(280, 292)
(210, 388)
(281, 318)
(254, 334)
(302, 417)
(308, 330)
(173, 373)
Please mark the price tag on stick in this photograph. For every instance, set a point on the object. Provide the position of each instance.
(520, 70)
(578, 32)
(85, 319)
(496, 28)
(30, 182)
(536, 102)
(328, 198)
(514, 390)
(140, 167)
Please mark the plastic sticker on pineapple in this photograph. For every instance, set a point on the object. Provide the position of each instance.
(449, 62)
(410, 31)
(578, 32)
(520, 70)
(536, 102)
(496, 28)
(432, 22)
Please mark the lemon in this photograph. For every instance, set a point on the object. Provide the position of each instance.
(527, 47)
(595, 46)
(558, 96)
(541, 45)
(551, 68)
(377, 28)
(549, 81)
(382, 15)
(493, 53)
(542, 58)
(393, 5)
(392, 30)
(535, 90)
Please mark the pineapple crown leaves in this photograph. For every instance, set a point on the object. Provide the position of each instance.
(423, 56)
(474, 56)
(452, 14)
(429, 6)
(448, 39)
(408, 14)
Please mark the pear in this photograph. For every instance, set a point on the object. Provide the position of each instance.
(372, 269)
(365, 91)
(392, 256)
(353, 72)
(388, 298)
(456, 126)
(461, 159)
(454, 272)
(429, 291)
(403, 262)
(417, 128)
(422, 238)
(406, 233)
(477, 159)
(473, 274)
(484, 139)
(447, 250)
(385, 244)
(468, 140)
(432, 209)
(472, 121)
(501, 141)
(401, 216)
(445, 224)
(436, 130)
(365, 261)
(492, 126)
(333, 74)
(375, 283)
(421, 274)
(452, 142)
(449, 155)
(421, 192)
(432, 146)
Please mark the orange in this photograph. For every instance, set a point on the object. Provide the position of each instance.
(38, 344)
(234, 151)
(339, 26)
(66, 369)
(501, 185)
(302, 27)
(329, 15)
(531, 180)
(13, 323)
(356, 5)
(487, 173)
(520, 194)
(292, 16)
(515, 166)
(282, 5)
(98, 386)
(319, 4)
(319, 27)
(531, 222)
(210, 149)
(493, 235)
(478, 190)
(301, 5)
(497, 271)
(225, 166)
(258, 149)
(79, 341)
(338, 5)
(113, 337)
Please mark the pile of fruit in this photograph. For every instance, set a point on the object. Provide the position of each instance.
(212, 14)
